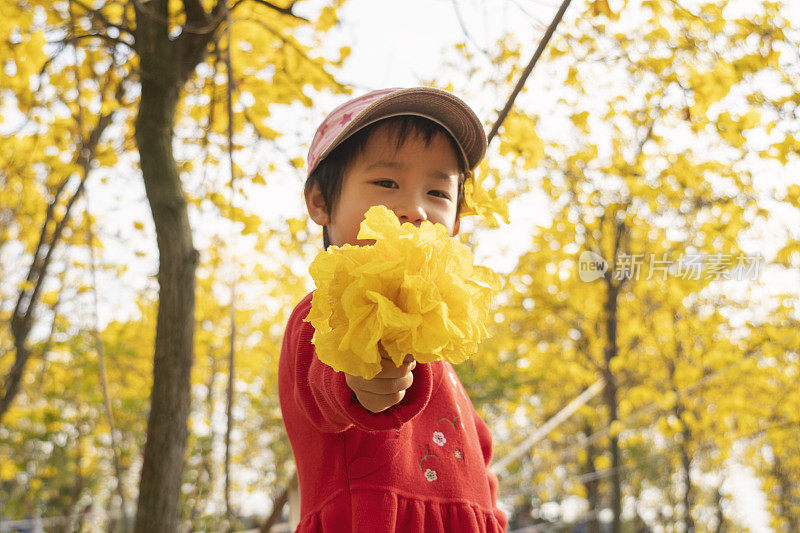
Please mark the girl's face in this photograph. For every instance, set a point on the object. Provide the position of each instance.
(417, 181)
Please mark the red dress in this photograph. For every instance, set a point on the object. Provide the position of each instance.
(421, 465)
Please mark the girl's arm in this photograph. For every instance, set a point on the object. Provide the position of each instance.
(323, 394)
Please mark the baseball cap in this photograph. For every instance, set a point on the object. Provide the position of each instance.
(438, 105)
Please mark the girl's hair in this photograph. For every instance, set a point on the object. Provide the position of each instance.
(330, 172)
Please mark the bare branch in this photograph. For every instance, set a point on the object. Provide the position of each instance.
(528, 69)
(102, 36)
(18, 314)
(195, 13)
(21, 320)
(95, 13)
(466, 32)
(284, 10)
(141, 7)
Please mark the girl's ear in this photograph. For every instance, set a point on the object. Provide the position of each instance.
(315, 204)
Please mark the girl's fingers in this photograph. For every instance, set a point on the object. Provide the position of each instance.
(381, 385)
(380, 402)
(391, 371)
(385, 355)
(387, 385)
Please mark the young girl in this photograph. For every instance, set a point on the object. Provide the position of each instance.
(404, 451)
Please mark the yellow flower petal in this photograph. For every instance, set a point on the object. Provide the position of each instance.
(379, 222)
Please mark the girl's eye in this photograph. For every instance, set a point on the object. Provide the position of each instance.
(389, 184)
(440, 194)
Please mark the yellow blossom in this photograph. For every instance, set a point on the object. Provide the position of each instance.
(481, 201)
(416, 291)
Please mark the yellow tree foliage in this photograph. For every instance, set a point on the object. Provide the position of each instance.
(647, 169)
(70, 82)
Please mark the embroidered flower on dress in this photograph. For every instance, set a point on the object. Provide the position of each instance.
(430, 475)
(458, 454)
(416, 290)
(438, 438)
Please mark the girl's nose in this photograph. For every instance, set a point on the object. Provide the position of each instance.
(410, 210)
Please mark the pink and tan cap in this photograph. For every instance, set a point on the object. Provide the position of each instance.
(437, 105)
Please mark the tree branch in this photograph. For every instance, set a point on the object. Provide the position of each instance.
(103, 19)
(466, 32)
(528, 69)
(102, 36)
(195, 13)
(284, 10)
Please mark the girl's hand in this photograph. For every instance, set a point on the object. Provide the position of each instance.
(387, 388)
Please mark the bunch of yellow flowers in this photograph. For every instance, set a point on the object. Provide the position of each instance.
(415, 291)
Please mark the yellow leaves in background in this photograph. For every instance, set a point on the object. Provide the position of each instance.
(731, 129)
(580, 120)
(344, 53)
(251, 223)
(781, 150)
(22, 53)
(600, 7)
(793, 195)
(572, 76)
(711, 86)
(327, 18)
(50, 298)
(275, 61)
(520, 140)
(482, 201)
(8, 471)
(296, 225)
(789, 255)
(416, 291)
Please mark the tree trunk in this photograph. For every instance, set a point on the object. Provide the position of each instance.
(67, 525)
(688, 497)
(278, 504)
(610, 396)
(165, 447)
(232, 339)
(787, 506)
(592, 485)
(718, 508)
(229, 513)
(686, 458)
(205, 475)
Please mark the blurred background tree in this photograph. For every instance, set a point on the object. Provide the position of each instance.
(75, 73)
(650, 158)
